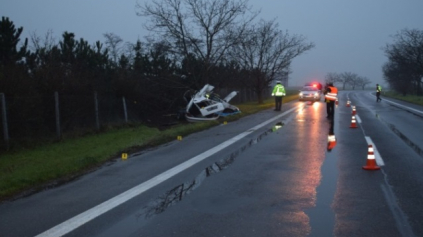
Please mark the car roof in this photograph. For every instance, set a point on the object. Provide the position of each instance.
(309, 88)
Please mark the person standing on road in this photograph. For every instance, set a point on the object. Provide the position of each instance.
(331, 94)
(378, 90)
(278, 92)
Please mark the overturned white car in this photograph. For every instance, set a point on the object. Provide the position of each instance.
(205, 105)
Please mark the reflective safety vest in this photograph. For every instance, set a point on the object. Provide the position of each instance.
(378, 89)
(278, 90)
(332, 95)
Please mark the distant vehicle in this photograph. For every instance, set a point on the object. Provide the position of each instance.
(310, 93)
(314, 84)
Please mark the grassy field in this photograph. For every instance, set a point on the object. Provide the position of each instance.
(27, 171)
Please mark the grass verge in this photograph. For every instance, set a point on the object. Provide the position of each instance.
(415, 99)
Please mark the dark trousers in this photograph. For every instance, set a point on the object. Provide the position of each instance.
(378, 96)
(330, 108)
(278, 103)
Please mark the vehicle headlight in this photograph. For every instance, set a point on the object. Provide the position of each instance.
(301, 94)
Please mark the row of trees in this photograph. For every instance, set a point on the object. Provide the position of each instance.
(404, 69)
(192, 42)
(349, 79)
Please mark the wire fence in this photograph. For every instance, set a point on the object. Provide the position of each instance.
(29, 119)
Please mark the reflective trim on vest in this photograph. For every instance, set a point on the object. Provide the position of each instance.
(332, 95)
(280, 90)
(279, 93)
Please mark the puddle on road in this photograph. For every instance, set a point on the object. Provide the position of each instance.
(407, 141)
(321, 216)
(402, 136)
(177, 193)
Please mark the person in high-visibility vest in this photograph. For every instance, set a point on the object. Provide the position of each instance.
(331, 94)
(278, 92)
(378, 90)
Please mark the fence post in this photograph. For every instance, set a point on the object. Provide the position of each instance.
(56, 99)
(244, 95)
(97, 120)
(124, 109)
(4, 119)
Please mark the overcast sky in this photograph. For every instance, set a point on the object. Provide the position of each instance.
(349, 34)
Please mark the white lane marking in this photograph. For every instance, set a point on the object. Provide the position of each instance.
(77, 221)
(407, 108)
(358, 119)
(401, 219)
(378, 157)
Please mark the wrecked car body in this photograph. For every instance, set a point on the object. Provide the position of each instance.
(205, 105)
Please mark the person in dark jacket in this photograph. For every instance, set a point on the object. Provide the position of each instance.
(331, 94)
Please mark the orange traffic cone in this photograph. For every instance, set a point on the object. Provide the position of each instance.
(348, 103)
(353, 122)
(371, 162)
(353, 110)
(331, 142)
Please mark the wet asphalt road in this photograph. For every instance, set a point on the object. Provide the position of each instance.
(272, 179)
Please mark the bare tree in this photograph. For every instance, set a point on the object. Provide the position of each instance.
(348, 78)
(203, 28)
(267, 52)
(113, 45)
(47, 43)
(354, 81)
(406, 57)
(333, 78)
(397, 77)
(362, 82)
(128, 51)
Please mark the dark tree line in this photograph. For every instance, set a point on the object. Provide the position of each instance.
(404, 69)
(193, 42)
